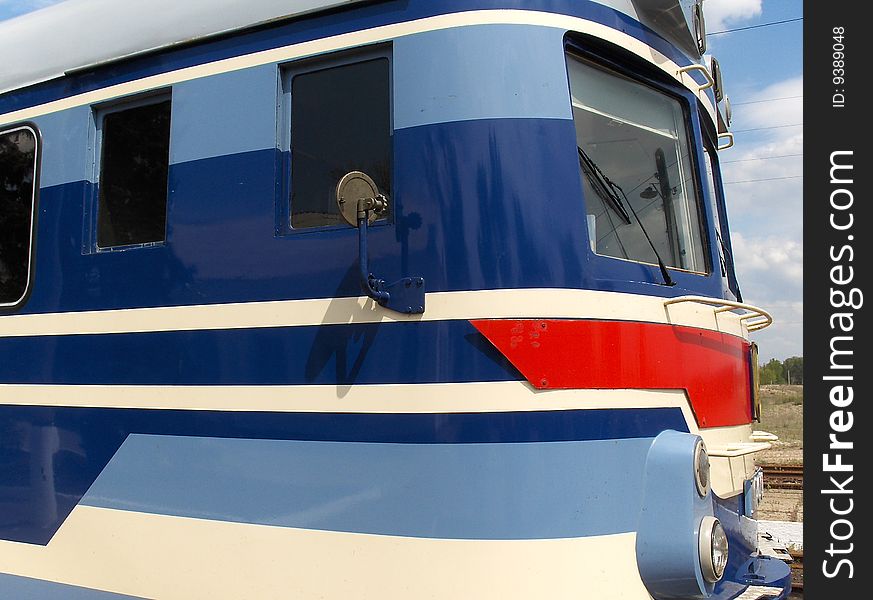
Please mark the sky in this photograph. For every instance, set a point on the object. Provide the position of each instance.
(12, 8)
(763, 76)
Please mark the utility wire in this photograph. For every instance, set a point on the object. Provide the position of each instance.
(756, 26)
(770, 127)
(727, 162)
(766, 100)
(765, 179)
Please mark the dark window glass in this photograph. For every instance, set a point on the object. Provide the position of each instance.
(340, 122)
(132, 208)
(17, 170)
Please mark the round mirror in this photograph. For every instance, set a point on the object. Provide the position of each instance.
(352, 187)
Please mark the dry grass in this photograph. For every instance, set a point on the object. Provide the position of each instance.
(782, 414)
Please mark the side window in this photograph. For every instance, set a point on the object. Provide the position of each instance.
(134, 165)
(340, 122)
(719, 211)
(18, 160)
(634, 137)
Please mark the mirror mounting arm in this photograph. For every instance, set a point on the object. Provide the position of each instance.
(405, 296)
(371, 285)
(360, 205)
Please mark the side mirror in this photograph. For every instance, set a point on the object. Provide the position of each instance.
(360, 204)
(358, 197)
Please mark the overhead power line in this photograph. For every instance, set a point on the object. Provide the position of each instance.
(763, 128)
(758, 26)
(727, 162)
(766, 100)
(764, 179)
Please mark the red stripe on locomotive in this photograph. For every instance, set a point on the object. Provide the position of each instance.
(713, 368)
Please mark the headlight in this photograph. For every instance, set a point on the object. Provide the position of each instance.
(701, 468)
(713, 547)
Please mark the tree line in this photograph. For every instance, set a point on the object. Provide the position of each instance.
(789, 371)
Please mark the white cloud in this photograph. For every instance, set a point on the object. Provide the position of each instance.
(766, 214)
(719, 13)
(771, 276)
(770, 160)
(772, 266)
(782, 339)
(774, 112)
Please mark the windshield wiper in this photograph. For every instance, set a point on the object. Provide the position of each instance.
(613, 192)
(602, 185)
(724, 256)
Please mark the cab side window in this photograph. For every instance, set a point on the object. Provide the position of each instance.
(18, 167)
(134, 168)
(340, 122)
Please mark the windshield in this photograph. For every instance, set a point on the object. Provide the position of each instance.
(637, 137)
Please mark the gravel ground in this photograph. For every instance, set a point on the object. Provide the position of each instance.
(782, 505)
(781, 454)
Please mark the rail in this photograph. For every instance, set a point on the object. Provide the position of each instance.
(729, 143)
(783, 477)
(756, 318)
(710, 82)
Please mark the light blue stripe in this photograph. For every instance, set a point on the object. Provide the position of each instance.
(462, 491)
(225, 114)
(468, 73)
(14, 587)
(66, 153)
(480, 72)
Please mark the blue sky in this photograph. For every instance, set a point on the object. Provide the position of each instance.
(11, 8)
(763, 74)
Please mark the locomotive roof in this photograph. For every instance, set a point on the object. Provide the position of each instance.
(75, 34)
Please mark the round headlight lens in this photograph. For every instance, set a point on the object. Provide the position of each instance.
(701, 468)
(713, 548)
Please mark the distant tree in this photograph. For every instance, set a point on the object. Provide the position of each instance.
(793, 368)
(773, 372)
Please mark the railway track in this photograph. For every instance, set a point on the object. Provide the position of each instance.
(783, 477)
(796, 565)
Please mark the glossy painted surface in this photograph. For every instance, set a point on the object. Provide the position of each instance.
(667, 542)
(51, 456)
(27, 588)
(712, 367)
(430, 352)
(744, 568)
(448, 491)
(314, 27)
(449, 178)
(487, 196)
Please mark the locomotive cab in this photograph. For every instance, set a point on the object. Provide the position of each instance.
(373, 299)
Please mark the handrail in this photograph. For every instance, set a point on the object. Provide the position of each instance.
(757, 318)
(710, 82)
(729, 143)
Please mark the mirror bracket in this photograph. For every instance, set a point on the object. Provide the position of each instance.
(357, 195)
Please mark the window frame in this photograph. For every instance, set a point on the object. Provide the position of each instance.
(287, 73)
(98, 114)
(720, 223)
(622, 64)
(7, 307)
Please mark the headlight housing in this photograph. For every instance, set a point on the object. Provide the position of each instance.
(701, 468)
(713, 547)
